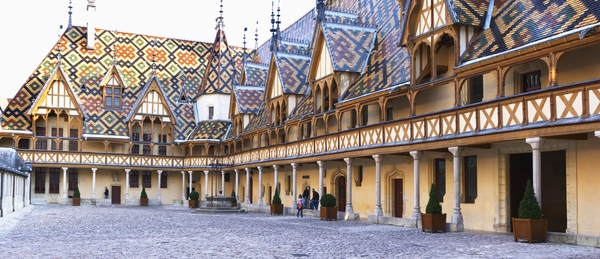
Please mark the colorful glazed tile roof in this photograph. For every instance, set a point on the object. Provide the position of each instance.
(260, 120)
(211, 129)
(471, 12)
(256, 74)
(249, 98)
(221, 72)
(518, 23)
(349, 45)
(293, 72)
(304, 108)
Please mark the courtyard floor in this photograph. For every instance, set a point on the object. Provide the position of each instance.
(61, 231)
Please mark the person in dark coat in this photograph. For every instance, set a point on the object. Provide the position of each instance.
(314, 203)
(306, 195)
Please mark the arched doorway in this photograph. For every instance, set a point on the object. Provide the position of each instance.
(341, 183)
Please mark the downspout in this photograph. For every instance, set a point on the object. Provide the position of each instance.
(1, 193)
(14, 192)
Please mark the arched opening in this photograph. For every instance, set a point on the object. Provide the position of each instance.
(349, 120)
(332, 125)
(397, 108)
(318, 100)
(477, 89)
(578, 65)
(320, 127)
(526, 77)
(422, 64)
(371, 114)
(326, 98)
(334, 95)
(444, 56)
(281, 136)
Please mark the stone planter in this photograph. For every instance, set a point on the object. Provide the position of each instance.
(529, 229)
(433, 222)
(76, 201)
(329, 213)
(143, 201)
(276, 209)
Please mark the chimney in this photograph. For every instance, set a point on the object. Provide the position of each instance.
(91, 30)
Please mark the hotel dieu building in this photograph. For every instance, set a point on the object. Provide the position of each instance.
(371, 101)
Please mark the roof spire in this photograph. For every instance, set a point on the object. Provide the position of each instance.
(278, 16)
(59, 47)
(154, 57)
(320, 10)
(256, 36)
(220, 23)
(244, 53)
(70, 13)
(273, 29)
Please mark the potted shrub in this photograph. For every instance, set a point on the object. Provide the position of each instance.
(328, 209)
(529, 225)
(276, 205)
(433, 219)
(76, 196)
(194, 196)
(144, 197)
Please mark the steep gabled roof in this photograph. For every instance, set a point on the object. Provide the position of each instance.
(58, 72)
(260, 120)
(293, 72)
(211, 129)
(470, 12)
(304, 108)
(220, 74)
(255, 74)
(249, 98)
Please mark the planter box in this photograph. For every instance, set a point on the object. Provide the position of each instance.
(193, 203)
(433, 222)
(329, 213)
(76, 201)
(143, 201)
(529, 229)
(276, 209)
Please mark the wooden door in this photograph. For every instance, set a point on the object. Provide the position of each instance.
(270, 195)
(250, 189)
(398, 198)
(116, 194)
(341, 183)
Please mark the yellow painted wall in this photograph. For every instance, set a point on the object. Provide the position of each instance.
(588, 222)
(434, 99)
(578, 65)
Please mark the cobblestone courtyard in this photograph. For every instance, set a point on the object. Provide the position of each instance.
(59, 231)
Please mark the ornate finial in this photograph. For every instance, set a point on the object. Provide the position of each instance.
(256, 36)
(70, 13)
(59, 47)
(154, 57)
(220, 23)
(245, 30)
(320, 10)
(278, 16)
(273, 18)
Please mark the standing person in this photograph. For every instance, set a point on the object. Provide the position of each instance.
(305, 195)
(300, 206)
(105, 192)
(314, 203)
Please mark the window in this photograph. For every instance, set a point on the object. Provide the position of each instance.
(163, 180)
(440, 178)
(73, 173)
(54, 180)
(162, 138)
(135, 136)
(40, 180)
(365, 115)
(146, 179)
(134, 180)
(53, 144)
(135, 149)
(470, 170)
(476, 89)
(162, 150)
(359, 176)
(146, 150)
(112, 93)
(23, 144)
(389, 114)
(227, 177)
(211, 112)
(147, 138)
(352, 119)
(73, 144)
(41, 144)
(532, 81)
(40, 131)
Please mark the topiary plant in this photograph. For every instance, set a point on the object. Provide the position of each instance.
(529, 208)
(433, 205)
(232, 193)
(194, 195)
(76, 193)
(276, 198)
(328, 200)
(144, 195)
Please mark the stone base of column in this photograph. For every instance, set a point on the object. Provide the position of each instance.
(351, 216)
(260, 202)
(457, 225)
(378, 211)
(417, 214)
(248, 200)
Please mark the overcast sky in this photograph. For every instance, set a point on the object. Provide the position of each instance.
(30, 28)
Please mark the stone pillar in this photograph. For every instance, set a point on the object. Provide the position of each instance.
(237, 186)
(182, 185)
(127, 184)
(378, 210)
(536, 144)
(64, 182)
(222, 182)
(349, 209)
(457, 223)
(248, 185)
(94, 183)
(417, 184)
(205, 185)
(276, 178)
(321, 175)
(294, 189)
(190, 180)
(159, 176)
(260, 199)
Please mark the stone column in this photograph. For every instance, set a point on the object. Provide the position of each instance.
(294, 194)
(457, 223)
(190, 180)
(237, 186)
(321, 174)
(94, 183)
(276, 178)
(65, 182)
(378, 210)
(205, 185)
(127, 184)
(536, 144)
(222, 182)
(349, 209)
(159, 176)
(260, 199)
(182, 185)
(417, 184)
(247, 185)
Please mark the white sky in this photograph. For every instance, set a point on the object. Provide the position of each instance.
(30, 28)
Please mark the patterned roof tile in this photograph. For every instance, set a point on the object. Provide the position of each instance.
(249, 98)
(350, 46)
(293, 72)
(304, 108)
(213, 129)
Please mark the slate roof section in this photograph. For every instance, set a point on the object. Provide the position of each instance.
(529, 22)
(304, 108)
(293, 72)
(260, 120)
(249, 98)
(256, 74)
(11, 161)
(211, 129)
(470, 12)
(220, 74)
(349, 45)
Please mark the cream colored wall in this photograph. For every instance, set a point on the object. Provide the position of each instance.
(401, 107)
(292, 134)
(587, 183)
(434, 99)
(512, 80)
(93, 146)
(490, 86)
(374, 111)
(578, 65)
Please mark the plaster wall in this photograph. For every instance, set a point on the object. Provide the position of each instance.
(587, 183)
(220, 102)
(578, 65)
(434, 99)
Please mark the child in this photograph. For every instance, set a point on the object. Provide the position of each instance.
(299, 206)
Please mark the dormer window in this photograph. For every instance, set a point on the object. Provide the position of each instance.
(211, 112)
(112, 93)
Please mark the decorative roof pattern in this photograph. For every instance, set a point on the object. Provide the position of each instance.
(518, 23)
(471, 12)
(340, 17)
(293, 71)
(294, 47)
(350, 46)
(213, 129)
(260, 120)
(220, 74)
(304, 108)
(256, 74)
(249, 98)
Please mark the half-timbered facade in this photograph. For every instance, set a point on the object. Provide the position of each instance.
(370, 101)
